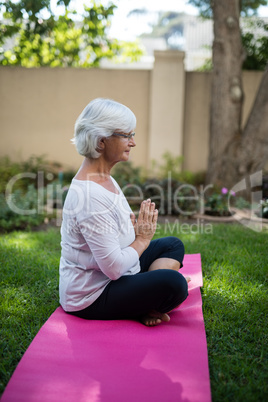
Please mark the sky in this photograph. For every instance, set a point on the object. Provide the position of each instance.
(128, 28)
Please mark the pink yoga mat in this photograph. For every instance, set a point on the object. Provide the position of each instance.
(74, 360)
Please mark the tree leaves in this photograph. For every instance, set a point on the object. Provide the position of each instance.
(248, 7)
(60, 41)
(255, 42)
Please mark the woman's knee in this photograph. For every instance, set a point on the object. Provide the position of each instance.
(174, 290)
(176, 243)
(175, 283)
(175, 249)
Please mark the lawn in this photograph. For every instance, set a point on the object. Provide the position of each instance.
(235, 303)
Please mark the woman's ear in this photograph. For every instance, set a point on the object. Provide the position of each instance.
(101, 145)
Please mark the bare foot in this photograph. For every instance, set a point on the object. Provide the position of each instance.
(154, 318)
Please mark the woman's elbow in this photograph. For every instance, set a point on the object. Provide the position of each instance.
(113, 275)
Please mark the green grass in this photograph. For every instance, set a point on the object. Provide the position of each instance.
(28, 292)
(234, 262)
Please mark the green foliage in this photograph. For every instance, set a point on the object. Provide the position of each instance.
(65, 41)
(171, 166)
(125, 174)
(241, 203)
(217, 204)
(23, 189)
(264, 209)
(8, 170)
(171, 197)
(207, 66)
(21, 210)
(255, 45)
(171, 189)
(221, 203)
(248, 7)
(33, 165)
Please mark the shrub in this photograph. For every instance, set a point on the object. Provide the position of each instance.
(172, 167)
(264, 209)
(125, 174)
(217, 204)
(7, 171)
(33, 165)
(21, 211)
(171, 196)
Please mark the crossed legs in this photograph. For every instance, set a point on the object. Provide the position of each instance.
(153, 317)
(148, 295)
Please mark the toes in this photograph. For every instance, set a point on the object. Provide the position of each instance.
(155, 318)
(153, 322)
(165, 317)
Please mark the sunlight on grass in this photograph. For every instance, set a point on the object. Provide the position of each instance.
(184, 231)
(15, 300)
(21, 240)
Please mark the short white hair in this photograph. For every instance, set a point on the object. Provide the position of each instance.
(101, 118)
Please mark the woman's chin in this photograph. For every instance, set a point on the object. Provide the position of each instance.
(126, 156)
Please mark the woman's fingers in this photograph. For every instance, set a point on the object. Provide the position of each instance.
(151, 213)
(133, 218)
(155, 216)
(147, 219)
(142, 211)
(147, 215)
(147, 210)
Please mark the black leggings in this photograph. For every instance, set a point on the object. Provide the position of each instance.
(132, 296)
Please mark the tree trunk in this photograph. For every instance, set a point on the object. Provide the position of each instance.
(227, 92)
(233, 154)
(254, 143)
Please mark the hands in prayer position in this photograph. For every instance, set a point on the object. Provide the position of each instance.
(145, 225)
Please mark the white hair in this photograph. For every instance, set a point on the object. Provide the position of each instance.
(100, 118)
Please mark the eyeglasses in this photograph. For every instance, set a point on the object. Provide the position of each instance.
(128, 136)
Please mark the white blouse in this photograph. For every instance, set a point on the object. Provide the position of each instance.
(96, 233)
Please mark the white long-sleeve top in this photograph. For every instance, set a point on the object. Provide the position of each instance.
(96, 233)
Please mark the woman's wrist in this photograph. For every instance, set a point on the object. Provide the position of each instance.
(140, 244)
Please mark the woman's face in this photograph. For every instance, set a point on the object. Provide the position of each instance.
(118, 147)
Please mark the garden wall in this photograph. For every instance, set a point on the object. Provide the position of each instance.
(38, 109)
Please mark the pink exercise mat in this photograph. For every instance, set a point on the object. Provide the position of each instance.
(74, 360)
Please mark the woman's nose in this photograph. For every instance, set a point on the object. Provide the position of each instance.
(132, 142)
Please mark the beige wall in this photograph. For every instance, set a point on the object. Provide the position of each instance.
(196, 121)
(38, 109)
(167, 105)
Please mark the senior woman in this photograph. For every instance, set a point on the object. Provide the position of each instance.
(110, 268)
